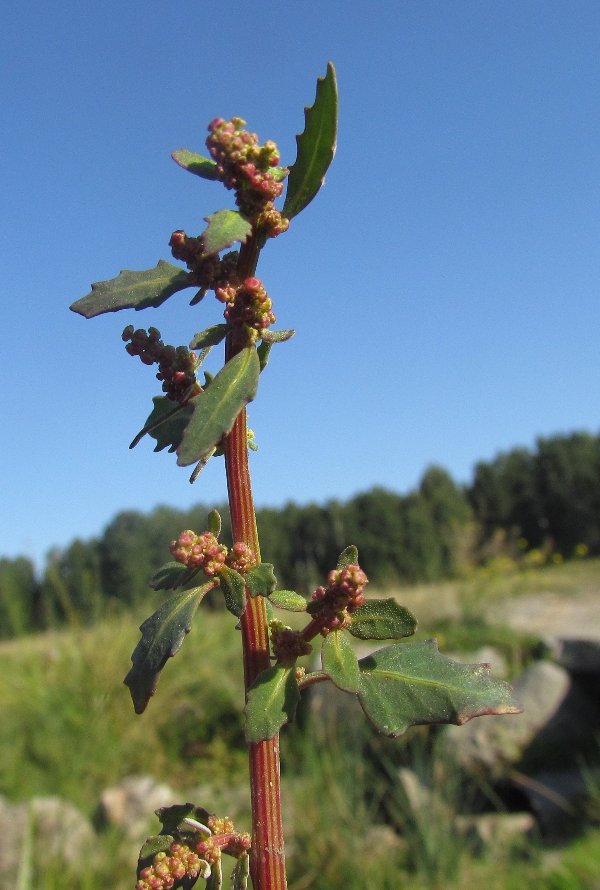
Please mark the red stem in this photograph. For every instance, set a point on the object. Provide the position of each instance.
(267, 860)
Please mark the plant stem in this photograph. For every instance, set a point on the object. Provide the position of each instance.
(267, 860)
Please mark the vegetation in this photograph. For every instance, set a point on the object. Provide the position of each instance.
(529, 506)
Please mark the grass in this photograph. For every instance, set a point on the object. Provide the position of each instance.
(68, 729)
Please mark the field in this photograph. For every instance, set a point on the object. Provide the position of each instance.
(68, 730)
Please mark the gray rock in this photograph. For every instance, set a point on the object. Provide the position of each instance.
(45, 826)
(580, 656)
(130, 805)
(557, 715)
(556, 797)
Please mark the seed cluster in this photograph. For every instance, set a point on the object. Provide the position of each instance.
(176, 366)
(199, 551)
(334, 604)
(168, 871)
(247, 304)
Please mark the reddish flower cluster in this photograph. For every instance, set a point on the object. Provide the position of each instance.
(223, 840)
(247, 304)
(334, 604)
(241, 558)
(288, 644)
(168, 871)
(199, 551)
(176, 366)
(243, 164)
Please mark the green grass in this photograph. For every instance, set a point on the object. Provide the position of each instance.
(68, 729)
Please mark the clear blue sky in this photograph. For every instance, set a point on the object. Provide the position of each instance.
(444, 284)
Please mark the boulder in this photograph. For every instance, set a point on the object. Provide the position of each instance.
(130, 805)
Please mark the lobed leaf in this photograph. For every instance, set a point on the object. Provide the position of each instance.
(261, 580)
(339, 661)
(289, 600)
(195, 163)
(215, 409)
(408, 684)
(234, 590)
(225, 227)
(133, 290)
(316, 146)
(162, 636)
(210, 336)
(272, 701)
(382, 620)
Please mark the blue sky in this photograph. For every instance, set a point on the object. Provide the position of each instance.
(443, 285)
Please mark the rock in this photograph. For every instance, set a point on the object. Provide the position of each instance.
(580, 656)
(557, 797)
(48, 826)
(421, 799)
(130, 805)
(557, 715)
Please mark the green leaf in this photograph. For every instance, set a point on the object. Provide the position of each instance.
(166, 423)
(241, 873)
(162, 636)
(195, 163)
(214, 523)
(272, 702)
(339, 661)
(234, 590)
(216, 409)
(210, 337)
(348, 557)
(134, 290)
(407, 684)
(159, 843)
(261, 580)
(225, 227)
(289, 600)
(263, 349)
(316, 146)
(172, 575)
(382, 620)
(277, 336)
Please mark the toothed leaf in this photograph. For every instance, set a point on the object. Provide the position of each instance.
(261, 580)
(133, 290)
(162, 636)
(407, 684)
(316, 147)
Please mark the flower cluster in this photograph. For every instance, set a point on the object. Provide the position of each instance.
(223, 840)
(169, 871)
(241, 558)
(199, 551)
(333, 605)
(176, 366)
(287, 644)
(244, 165)
(247, 304)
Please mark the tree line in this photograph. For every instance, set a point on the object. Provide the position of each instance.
(548, 497)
